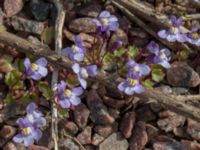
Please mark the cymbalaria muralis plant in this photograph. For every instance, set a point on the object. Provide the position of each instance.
(137, 68)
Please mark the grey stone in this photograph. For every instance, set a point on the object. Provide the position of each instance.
(40, 9)
(114, 142)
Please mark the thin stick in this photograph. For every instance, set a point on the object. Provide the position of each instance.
(58, 46)
(191, 17)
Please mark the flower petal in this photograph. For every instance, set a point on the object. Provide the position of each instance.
(92, 70)
(79, 57)
(65, 103)
(27, 63)
(42, 61)
(77, 91)
(18, 138)
(104, 14)
(36, 76)
(42, 71)
(113, 26)
(40, 122)
(75, 101)
(83, 83)
(112, 18)
(129, 90)
(28, 141)
(163, 34)
(76, 68)
(66, 51)
(138, 88)
(122, 86)
(37, 134)
(165, 64)
(31, 107)
(144, 69)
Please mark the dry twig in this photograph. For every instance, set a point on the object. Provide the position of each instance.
(58, 46)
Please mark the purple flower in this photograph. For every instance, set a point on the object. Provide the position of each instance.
(131, 86)
(76, 52)
(36, 70)
(68, 97)
(194, 37)
(173, 34)
(161, 57)
(84, 72)
(106, 22)
(136, 70)
(28, 133)
(35, 116)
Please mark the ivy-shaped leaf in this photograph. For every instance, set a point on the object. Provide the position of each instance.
(12, 78)
(5, 64)
(119, 52)
(48, 35)
(10, 99)
(63, 113)
(157, 75)
(148, 83)
(109, 57)
(45, 89)
(133, 52)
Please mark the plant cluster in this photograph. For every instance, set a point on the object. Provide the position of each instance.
(142, 69)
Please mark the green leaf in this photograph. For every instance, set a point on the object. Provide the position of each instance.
(19, 64)
(108, 58)
(184, 54)
(63, 113)
(28, 97)
(133, 52)
(9, 99)
(157, 75)
(13, 78)
(119, 52)
(48, 35)
(5, 64)
(18, 85)
(148, 83)
(45, 89)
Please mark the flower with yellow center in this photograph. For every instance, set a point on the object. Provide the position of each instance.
(104, 21)
(195, 35)
(26, 131)
(67, 92)
(34, 67)
(174, 30)
(132, 81)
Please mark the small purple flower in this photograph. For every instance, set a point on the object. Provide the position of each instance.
(136, 70)
(173, 34)
(68, 97)
(194, 37)
(28, 133)
(131, 86)
(76, 52)
(107, 22)
(36, 70)
(161, 57)
(84, 72)
(35, 116)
